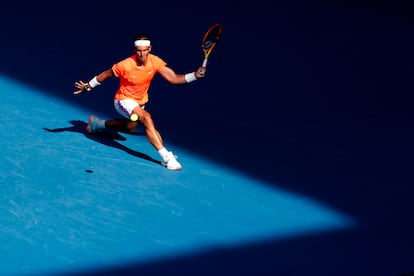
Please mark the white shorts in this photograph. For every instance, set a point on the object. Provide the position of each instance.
(125, 107)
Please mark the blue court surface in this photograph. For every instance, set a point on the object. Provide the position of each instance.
(296, 154)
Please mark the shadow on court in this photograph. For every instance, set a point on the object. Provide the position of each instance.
(105, 137)
(317, 255)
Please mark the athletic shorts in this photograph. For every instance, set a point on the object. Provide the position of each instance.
(125, 107)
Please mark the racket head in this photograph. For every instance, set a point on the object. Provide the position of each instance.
(211, 37)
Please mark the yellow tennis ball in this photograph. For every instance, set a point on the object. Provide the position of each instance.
(133, 117)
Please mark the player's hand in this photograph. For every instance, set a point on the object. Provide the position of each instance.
(201, 72)
(81, 86)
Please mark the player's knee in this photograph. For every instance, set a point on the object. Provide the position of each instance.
(146, 119)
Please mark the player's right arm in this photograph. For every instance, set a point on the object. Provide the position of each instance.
(95, 81)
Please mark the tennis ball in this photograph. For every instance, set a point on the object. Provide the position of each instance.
(133, 117)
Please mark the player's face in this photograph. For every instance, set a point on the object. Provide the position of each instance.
(142, 53)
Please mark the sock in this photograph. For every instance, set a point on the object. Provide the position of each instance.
(163, 152)
(101, 123)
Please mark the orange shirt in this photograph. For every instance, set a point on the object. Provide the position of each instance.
(135, 81)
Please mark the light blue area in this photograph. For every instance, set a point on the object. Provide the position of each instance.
(57, 217)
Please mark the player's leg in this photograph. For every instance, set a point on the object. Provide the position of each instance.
(124, 108)
(154, 137)
(128, 107)
(122, 125)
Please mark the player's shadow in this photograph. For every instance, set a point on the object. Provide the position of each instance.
(105, 137)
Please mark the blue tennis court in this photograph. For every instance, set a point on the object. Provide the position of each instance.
(297, 164)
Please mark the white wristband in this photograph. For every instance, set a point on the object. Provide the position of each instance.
(94, 82)
(190, 77)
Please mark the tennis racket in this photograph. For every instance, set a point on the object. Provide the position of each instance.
(210, 39)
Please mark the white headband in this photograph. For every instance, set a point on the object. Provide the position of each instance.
(142, 43)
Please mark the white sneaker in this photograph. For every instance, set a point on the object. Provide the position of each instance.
(170, 162)
(92, 124)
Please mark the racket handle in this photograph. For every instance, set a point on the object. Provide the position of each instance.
(204, 63)
(204, 66)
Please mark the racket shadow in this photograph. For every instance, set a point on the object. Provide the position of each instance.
(105, 137)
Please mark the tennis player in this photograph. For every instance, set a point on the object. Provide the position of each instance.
(135, 74)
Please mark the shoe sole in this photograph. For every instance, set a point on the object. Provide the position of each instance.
(174, 169)
(171, 168)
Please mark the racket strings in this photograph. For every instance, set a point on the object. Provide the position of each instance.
(211, 38)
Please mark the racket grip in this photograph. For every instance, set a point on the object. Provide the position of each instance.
(204, 63)
(204, 66)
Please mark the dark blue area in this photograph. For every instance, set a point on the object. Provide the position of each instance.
(313, 96)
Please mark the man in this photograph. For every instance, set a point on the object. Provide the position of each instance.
(135, 74)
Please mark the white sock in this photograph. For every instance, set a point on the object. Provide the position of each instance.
(163, 152)
(101, 123)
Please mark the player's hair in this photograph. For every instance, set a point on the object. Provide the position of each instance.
(142, 36)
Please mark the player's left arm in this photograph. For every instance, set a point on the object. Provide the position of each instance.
(169, 74)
